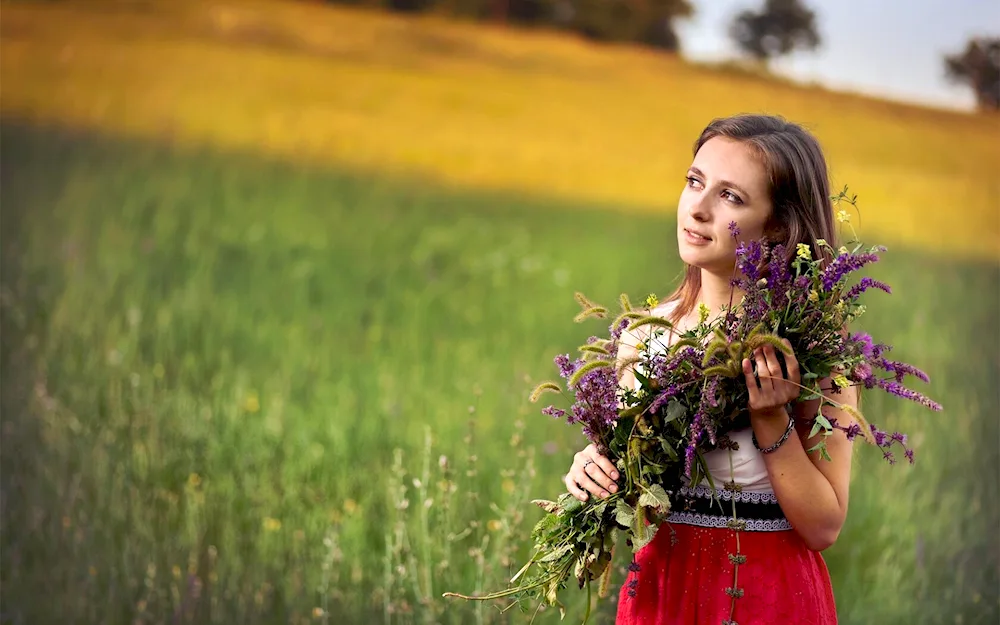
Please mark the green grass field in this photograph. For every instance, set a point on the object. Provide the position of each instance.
(247, 379)
(210, 360)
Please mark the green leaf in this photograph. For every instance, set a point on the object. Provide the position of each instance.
(642, 378)
(675, 410)
(557, 553)
(599, 509)
(668, 449)
(624, 513)
(572, 505)
(630, 412)
(655, 497)
(821, 447)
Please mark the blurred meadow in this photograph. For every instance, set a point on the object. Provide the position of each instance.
(277, 278)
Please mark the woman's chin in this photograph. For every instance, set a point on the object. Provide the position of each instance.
(706, 263)
(692, 257)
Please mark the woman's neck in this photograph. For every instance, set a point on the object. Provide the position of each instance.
(716, 292)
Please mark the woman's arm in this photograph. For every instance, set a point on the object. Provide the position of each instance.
(812, 491)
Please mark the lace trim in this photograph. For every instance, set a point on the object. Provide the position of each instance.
(717, 521)
(728, 495)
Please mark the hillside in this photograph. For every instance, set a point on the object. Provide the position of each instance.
(468, 105)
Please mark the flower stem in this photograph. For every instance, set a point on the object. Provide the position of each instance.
(503, 593)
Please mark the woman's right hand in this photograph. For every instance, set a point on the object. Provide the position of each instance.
(591, 473)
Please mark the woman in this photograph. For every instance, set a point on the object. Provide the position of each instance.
(770, 177)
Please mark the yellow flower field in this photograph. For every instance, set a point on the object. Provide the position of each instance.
(475, 106)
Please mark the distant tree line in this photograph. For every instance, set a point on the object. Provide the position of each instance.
(648, 22)
(777, 28)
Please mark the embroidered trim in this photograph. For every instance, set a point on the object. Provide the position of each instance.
(717, 521)
(728, 495)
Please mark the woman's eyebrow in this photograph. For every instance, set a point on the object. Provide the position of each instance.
(725, 183)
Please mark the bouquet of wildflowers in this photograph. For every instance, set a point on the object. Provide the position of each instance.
(691, 393)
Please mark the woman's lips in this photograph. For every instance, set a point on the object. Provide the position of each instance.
(696, 239)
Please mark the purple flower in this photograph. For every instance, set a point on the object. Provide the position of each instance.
(596, 395)
(661, 400)
(880, 348)
(663, 367)
(734, 229)
(566, 367)
(688, 460)
(779, 276)
(901, 369)
(596, 403)
(880, 436)
(552, 411)
(863, 373)
(699, 423)
(843, 265)
(748, 258)
(865, 284)
(711, 392)
(909, 455)
(895, 388)
(616, 330)
(863, 343)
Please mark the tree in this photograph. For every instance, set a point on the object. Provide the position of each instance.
(978, 67)
(647, 21)
(780, 27)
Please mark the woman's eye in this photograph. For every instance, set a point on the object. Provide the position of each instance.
(692, 181)
(732, 197)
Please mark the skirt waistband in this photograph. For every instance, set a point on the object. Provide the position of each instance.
(754, 512)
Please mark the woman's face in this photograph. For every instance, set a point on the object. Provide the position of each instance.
(725, 183)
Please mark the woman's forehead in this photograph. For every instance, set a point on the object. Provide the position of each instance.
(727, 157)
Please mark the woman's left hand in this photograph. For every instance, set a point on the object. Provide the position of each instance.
(775, 390)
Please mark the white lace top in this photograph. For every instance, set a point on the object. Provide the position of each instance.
(748, 468)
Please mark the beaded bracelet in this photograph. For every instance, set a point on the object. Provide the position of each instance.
(781, 441)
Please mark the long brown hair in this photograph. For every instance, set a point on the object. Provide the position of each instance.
(799, 184)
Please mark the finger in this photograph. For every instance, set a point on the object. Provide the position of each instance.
(752, 389)
(599, 475)
(586, 483)
(773, 365)
(606, 465)
(792, 364)
(771, 358)
(574, 488)
(766, 383)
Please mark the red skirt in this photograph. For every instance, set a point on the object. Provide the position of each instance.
(682, 577)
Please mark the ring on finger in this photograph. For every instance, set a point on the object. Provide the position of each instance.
(587, 464)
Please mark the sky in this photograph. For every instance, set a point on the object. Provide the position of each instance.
(888, 48)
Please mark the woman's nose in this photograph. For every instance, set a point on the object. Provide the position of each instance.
(699, 210)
